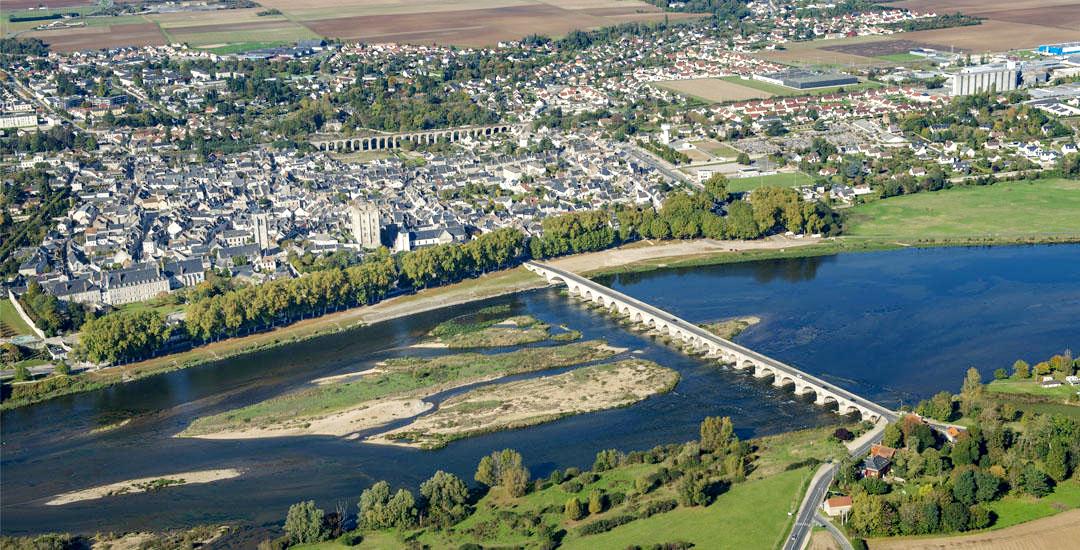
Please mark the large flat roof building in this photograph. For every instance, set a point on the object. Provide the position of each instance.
(802, 79)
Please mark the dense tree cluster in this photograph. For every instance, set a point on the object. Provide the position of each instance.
(693, 474)
(124, 336)
(947, 486)
(281, 300)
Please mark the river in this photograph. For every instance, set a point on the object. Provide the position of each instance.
(893, 326)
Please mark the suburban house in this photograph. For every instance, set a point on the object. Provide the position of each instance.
(837, 506)
(875, 466)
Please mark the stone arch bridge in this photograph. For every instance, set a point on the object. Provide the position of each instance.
(699, 339)
(383, 142)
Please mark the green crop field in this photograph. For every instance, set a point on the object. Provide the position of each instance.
(901, 57)
(1013, 209)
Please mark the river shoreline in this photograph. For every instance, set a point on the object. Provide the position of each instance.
(638, 257)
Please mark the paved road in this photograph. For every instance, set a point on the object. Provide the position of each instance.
(658, 164)
(804, 520)
(807, 515)
(844, 543)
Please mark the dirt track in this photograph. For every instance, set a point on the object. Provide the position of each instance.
(1052, 533)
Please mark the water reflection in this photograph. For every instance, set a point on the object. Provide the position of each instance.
(892, 326)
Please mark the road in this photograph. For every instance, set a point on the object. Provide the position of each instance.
(815, 494)
(844, 543)
(659, 165)
(804, 520)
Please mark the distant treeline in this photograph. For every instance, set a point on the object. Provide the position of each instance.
(40, 16)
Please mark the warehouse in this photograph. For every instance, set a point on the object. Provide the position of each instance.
(1066, 48)
(804, 80)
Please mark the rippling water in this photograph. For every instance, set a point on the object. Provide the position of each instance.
(893, 326)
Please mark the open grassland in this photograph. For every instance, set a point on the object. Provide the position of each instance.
(751, 515)
(713, 90)
(1004, 210)
(11, 324)
(399, 378)
(1031, 386)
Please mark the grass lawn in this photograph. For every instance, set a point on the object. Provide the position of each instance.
(1031, 386)
(1042, 208)
(901, 57)
(791, 179)
(785, 91)
(10, 322)
(1012, 510)
(753, 514)
(241, 47)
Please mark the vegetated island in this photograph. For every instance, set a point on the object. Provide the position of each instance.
(529, 402)
(492, 327)
(142, 485)
(394, 390)
(730, 328)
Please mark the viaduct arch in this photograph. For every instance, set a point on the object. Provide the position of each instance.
(699, 339)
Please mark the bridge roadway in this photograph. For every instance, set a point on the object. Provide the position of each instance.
(697, 338)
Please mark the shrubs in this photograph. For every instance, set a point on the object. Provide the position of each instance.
(604, 525)
(304, 523)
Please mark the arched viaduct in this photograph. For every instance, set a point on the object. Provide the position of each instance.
(699, 339)
(394, 141)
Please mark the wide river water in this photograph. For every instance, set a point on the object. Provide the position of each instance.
(893, 326)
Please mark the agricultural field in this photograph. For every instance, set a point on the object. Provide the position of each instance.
(774, 90)
(713, 90)
(470, 23)
(1005, 210)
(1006, 26)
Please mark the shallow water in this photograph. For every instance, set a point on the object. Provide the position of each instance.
(893, 326)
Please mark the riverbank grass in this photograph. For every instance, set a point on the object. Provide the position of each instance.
(1044, 208)
(490, 327)
(524, 403)
(400, 378)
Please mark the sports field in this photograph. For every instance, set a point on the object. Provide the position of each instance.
(790, 179)
(1049, 208)
(713, 90)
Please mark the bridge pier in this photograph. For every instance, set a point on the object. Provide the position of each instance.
(695, 340)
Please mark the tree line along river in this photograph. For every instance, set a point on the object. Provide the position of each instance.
(893, 326)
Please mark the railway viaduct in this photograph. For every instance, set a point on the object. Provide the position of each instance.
(699, 339)
(393, 141)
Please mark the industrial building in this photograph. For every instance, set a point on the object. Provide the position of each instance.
(984, 78)
(804, 80)
(1066, 48)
